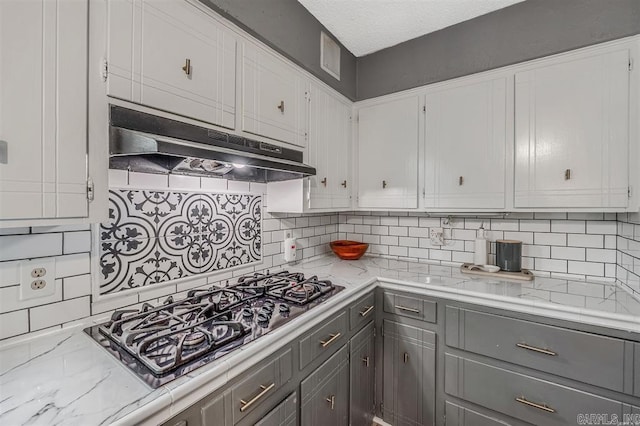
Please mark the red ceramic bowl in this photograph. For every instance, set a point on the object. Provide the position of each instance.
(348, 250)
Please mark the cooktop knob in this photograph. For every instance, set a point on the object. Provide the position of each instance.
(263, 317)
(247, 313)
(284, 308)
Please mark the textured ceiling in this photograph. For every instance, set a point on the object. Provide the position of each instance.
(365, 26)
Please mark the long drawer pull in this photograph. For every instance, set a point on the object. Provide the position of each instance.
(367, 309)
(404, 308)
(333, 337)
(534, 349)
(246, 404)
(331, 400)
(543, 407)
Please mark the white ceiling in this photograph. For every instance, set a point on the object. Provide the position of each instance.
(365, 26)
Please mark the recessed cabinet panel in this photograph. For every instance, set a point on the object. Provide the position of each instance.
(329, 150)
(572, 133)
(171, 55)
(465, 146)
(273, 97)
(43, 109)
(388, 154)
(362, 372)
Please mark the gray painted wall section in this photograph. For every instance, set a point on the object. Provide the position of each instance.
(287, 27)
(521, 32)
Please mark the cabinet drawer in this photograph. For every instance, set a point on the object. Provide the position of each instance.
(410, 306)
(577, 355)
(458, 415)
(636, 370)
(283, 415)
(523, 397)
(361, 311)
(259, 386)
(323, 340)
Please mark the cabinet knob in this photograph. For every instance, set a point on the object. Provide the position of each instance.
(331, 400)
(187, 67)
(567, 174)
(281, 107)
(324, 181)
(344, 184)
(460, 180)
(384, 184)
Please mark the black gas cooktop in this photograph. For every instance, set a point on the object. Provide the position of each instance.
(162, 343)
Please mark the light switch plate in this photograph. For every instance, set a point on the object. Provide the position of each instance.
(37, 278)
(437, 236)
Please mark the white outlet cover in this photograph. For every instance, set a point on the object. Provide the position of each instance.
(437, 236)
(26, 266)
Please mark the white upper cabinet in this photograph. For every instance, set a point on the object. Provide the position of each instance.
(329, 150)
(465, 145)
(572, 132)
(43, 109)
(273, 97)
(388, 135)
(173, 56)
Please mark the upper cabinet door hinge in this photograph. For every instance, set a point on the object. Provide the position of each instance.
(630, 64)
(90, 192)
(104, 70)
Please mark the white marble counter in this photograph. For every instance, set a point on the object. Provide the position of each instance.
(66, 378)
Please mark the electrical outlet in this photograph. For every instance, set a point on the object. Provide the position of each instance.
(37, 278)
(437, 236)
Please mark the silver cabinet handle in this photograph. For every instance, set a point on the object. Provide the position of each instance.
(534, 349)
(460, 180)
(344, 184)
(366, 361)
(567, 174)
(367, 309)
(543, 407)
(263, 390)
(324, 181)
(384, 184)
(404, 308)
(4, 152)
(281, 107)
(187, 67)
(331, 400)
(332, 338)
(405, 357)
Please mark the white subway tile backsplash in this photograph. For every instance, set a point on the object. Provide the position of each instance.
(10, 297)
(585, 240)
(14, 323)
(551, 239)
(77, 286)
(14, 231)
(601, 227)
(118, 178)
(400, 231)
(601, 255)
(13, 247)
(568, 253)
(213, 184)
(535, 225)
(586, 268)
(550, 265)
(525, 237)
(74, 264)
(568, 226)
(76, 242)
(58, 313)
(184, 182)
(148, 180)
(9, 273)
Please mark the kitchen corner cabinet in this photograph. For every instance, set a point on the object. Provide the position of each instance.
(362, 372)
(43, 109)
(388, 135)
(273, 97)
(173, 56)
(465, 146)
(572, 131)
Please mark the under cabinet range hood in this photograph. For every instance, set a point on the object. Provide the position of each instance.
(148, 143)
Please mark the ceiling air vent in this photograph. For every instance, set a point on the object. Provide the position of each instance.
(329, 55)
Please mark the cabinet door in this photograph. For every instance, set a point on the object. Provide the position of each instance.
(171, 55)
(388, 154)
(571, 129)
(465, 146)
(273, 97)
(362, 377)
(329, 148)
(408, 390)
(325, 393)
(43, 109)
(285, 414)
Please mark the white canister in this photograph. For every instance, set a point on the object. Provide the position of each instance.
(481, 249)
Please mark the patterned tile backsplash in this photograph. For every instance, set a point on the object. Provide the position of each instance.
(158, 236)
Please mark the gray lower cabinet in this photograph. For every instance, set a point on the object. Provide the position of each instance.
(636, 369)
(458, 415)
(362, 372)
(521, 396)
(323, 340)
(285, 414)
(409, 376)
(325, 393)
(410, 306)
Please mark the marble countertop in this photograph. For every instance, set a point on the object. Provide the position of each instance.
(66, 378)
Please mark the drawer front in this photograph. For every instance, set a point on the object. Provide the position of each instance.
(585, 357)
(636, 369)
(410, 306)
(259, 386)
(283, 415)
(457, 415)
(325, 393)
(323, 340)
(523, 397)
(361, 311)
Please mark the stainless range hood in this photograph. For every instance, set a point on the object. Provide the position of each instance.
(148, 143)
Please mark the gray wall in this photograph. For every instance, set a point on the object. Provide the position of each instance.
(517, 33)
(289, 28)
